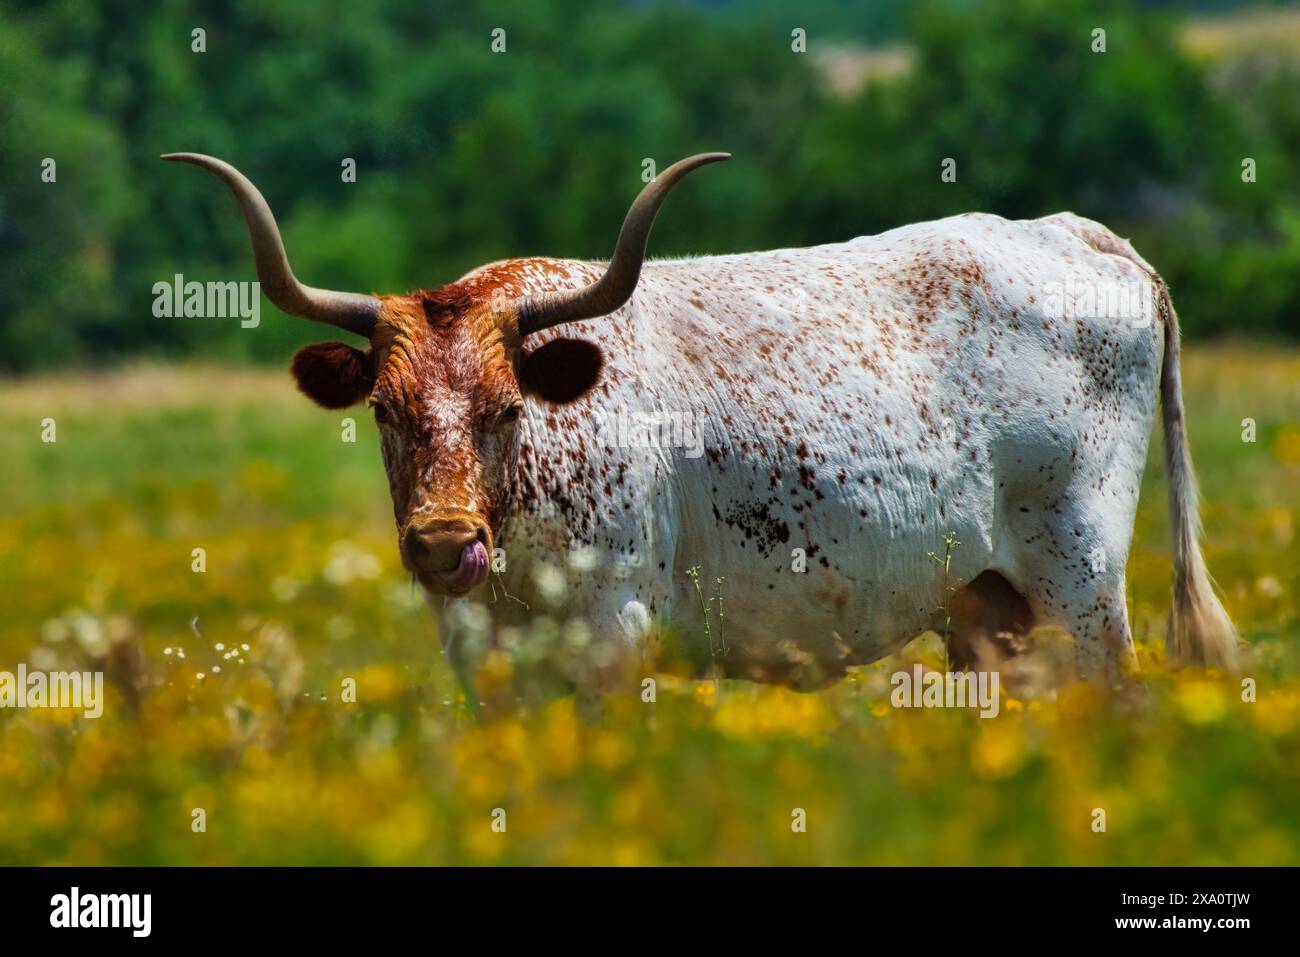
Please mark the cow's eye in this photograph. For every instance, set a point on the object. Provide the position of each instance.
(511, 414)
(381, 412)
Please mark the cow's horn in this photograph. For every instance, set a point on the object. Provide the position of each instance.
(347, 310)
(544, 310)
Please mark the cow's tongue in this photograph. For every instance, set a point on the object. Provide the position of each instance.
(472, 568)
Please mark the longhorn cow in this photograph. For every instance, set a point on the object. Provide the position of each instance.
(857, 405)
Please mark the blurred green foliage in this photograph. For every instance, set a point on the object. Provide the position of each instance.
(466, 156)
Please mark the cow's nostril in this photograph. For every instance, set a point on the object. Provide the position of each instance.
(416, 549)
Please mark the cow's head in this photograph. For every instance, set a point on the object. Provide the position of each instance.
(446, 372)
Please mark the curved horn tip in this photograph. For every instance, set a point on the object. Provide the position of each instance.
(701, 159)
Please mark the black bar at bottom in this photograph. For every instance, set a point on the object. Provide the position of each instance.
(334, 905)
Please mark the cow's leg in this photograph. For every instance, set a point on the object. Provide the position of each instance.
(622, 634)
(468, 635)
(1071, 572)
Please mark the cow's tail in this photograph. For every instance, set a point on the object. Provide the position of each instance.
(1200, 632)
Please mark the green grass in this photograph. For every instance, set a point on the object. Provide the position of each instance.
(96, 534)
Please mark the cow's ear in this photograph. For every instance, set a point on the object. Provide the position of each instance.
(333, 374)
(560, 371)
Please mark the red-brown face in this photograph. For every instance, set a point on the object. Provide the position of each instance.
(446, 379)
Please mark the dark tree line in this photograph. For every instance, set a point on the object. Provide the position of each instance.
(465, 155)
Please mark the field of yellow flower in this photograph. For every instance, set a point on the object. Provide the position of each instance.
(224, 685)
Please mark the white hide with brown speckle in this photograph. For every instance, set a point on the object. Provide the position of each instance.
(858, 403)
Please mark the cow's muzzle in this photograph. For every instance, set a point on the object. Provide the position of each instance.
(447, 554)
